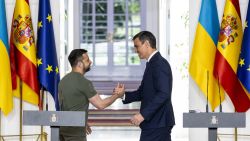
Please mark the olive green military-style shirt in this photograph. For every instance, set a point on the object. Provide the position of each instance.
(74, 91)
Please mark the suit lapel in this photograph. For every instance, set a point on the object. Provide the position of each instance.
(154, 58)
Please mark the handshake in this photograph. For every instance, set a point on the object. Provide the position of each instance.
(119, 90)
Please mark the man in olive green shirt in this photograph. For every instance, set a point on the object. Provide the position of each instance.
(76, 92)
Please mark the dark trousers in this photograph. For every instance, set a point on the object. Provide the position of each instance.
(156, 134)
(72, 138)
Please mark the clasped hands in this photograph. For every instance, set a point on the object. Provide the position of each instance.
(119, 90)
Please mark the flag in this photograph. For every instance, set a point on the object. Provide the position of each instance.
(47, 59)
(23, 54)
(6, 101)
(203, 52)
(227, 55)
(243, 71)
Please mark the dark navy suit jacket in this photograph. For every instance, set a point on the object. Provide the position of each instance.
(155, 94)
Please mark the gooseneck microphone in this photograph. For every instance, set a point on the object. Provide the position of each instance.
(219, 92)
(207, 91)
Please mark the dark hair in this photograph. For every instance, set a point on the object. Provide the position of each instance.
(146, 35)
(75, 56)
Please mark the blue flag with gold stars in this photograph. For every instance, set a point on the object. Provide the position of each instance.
(243, 71)
(48, 69)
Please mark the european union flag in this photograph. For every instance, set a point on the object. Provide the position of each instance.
(48, 69)
(244, 60)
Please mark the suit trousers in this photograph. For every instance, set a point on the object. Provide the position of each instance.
(156, 134)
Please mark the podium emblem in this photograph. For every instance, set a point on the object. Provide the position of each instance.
(214, 120)
(53, 118)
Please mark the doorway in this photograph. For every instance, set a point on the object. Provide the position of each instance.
(106, 31)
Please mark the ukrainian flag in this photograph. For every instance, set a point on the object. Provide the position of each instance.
(203, 52)
(6, 101)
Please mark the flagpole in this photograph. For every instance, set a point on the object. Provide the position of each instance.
(42, 99)
(21, 112)
(235, 132)
(46, 101)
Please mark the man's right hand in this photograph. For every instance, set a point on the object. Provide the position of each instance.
(119, 90)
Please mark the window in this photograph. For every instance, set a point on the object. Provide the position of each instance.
(106, 30)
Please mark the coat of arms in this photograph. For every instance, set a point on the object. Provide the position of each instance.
(23, 33)
(228, 30)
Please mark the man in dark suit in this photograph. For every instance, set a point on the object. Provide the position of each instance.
(156, 117)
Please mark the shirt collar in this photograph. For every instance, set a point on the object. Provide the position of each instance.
(151, 55)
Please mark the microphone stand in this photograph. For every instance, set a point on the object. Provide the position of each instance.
(219, 92)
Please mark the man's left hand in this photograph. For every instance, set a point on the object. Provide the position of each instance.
(88, 129)
(137, 119)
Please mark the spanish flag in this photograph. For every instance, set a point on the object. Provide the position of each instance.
(227, 55)
(6, 98)
(23, 54)
(203, 53)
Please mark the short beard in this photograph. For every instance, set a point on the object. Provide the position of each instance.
(88, 69)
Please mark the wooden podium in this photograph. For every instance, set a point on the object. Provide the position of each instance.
(54, 119)
(213, 121)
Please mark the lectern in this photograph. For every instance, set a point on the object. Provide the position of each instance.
(54, 119)
(212, 121)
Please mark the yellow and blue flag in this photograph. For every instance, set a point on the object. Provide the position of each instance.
(48, 69)
(243, 71)
(203, 53)
(6, 98)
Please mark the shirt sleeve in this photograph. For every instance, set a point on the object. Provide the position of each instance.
(89, 89)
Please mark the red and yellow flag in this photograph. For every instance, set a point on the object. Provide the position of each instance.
(23, 54)
(227, 55)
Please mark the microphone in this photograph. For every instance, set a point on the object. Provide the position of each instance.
(207, 91)
(219, 92)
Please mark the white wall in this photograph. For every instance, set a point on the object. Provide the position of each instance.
(196, 98)
(160, 27)
(164, 27)
(10, 124)
(152, 17)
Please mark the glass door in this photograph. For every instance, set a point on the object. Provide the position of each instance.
(107, 28)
